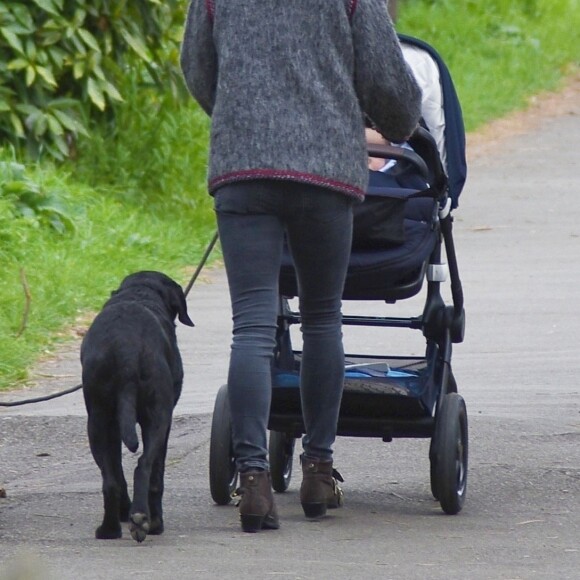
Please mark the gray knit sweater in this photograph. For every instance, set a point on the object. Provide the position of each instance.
(287, 84)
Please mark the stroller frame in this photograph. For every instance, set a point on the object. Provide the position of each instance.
(384, 396)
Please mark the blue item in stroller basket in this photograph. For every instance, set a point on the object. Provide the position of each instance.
(385, 396)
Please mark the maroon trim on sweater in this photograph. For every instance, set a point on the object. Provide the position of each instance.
(209, 6)
(287, 176)
(352, 8)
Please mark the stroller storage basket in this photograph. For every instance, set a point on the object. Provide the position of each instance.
(382, 397)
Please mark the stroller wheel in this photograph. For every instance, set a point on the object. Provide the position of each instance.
(223, 475)
(449, 454)
(451, 388)
(433, 472)
(281, 451)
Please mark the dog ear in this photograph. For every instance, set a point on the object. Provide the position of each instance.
(181, 308)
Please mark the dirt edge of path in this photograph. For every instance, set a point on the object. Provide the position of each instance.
(565, 101)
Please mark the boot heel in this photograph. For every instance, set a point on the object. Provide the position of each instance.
(314, 510)
(251, 524)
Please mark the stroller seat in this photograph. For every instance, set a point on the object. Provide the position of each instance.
(397, 272)
(393, 273)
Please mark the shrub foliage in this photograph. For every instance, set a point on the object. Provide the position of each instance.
(62, 62)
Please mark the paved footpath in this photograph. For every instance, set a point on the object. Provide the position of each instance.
(517, 233)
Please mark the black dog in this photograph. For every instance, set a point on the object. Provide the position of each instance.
(132, 373)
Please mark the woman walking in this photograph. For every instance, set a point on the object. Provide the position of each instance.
(288, 85)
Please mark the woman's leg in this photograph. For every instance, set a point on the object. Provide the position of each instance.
(252, 245)
(320, 241)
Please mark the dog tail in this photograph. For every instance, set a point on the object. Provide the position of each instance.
(128, 419)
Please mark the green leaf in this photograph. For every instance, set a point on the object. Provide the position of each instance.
(57, 56)
(30, 49)
(54, 125)
(55, 151)
(61, 145)
(39, 124)
(66, 121)
(30, 75)
(98, 72)
(17, 188)
(27, 109)
(12, 169)
(89, 39)
(79, 68)
(136, 44)
(63, 102)
(17, 125)
(24, 18)
(112, 91)
(79, 46)
(79, 17)
(50, 37)
(6, 91)
(47, 75)
(70, 123)
(17, 64)
(47, 6)
(20, 30)
(96, 94)
(12, 39)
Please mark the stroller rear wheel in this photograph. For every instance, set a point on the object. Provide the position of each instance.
(223, 474)
(449, 454)
(281, 451)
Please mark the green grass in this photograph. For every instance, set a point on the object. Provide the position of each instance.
(72, 272)
(134, 197)
(499, 52)
(155, 152)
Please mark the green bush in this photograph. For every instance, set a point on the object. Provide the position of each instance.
(154, 153)
(61, 64)
(25, 198)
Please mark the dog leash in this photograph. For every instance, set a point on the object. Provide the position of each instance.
(190, 284)
(40, 399)
(201, 263)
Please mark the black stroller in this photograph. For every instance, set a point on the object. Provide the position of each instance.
(385, 396)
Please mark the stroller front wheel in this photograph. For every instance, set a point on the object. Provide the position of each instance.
(449, 454)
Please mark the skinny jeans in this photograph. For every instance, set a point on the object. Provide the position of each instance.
(254, 219)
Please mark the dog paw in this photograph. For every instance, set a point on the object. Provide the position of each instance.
(156, 527)
(106, 533)
(139, 526)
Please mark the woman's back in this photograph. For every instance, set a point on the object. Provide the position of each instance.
(286, 90)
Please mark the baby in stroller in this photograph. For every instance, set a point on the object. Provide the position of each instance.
(393, 176)
(426, 73)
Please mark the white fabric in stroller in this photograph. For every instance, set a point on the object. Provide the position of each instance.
(426, 73)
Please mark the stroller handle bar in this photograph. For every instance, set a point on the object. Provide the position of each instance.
(400, 154)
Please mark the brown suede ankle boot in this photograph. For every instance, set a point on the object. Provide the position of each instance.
(319, 489)
(257, 508)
